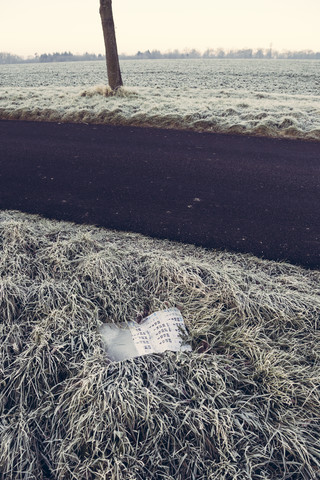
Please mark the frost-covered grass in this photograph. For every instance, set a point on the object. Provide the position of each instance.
(243, 405)
(266, 98)
(203, 109)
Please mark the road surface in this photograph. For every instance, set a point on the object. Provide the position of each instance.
(240, 193)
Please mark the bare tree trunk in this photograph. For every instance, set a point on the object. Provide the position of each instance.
(113, 66)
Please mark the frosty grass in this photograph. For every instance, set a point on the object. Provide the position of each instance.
(244, 404)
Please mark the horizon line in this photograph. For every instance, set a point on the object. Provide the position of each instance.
(185, 51)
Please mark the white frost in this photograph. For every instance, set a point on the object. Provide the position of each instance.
(160, 94)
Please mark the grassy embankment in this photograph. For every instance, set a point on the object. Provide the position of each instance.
(243, 405)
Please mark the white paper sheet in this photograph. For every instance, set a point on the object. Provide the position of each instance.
(160, 331)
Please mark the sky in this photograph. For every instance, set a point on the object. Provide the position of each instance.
(45, 26)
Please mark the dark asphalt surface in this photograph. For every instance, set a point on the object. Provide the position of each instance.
(245, 194)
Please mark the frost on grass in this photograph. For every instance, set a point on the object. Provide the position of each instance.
(201, 109)
(276, 98)
(243, 405)
(106, 91)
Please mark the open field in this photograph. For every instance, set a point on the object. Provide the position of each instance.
(274, 98)
(243, 405)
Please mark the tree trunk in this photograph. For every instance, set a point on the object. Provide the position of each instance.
(113, 66)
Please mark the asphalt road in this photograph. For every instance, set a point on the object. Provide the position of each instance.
(245, 194)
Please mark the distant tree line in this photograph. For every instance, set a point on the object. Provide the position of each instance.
(68, 57)
(219, 53)
(10, 58)
(49, 57)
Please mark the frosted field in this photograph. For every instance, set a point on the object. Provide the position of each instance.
(269, 97)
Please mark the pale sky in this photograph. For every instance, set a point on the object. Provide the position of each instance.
(45, 26)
